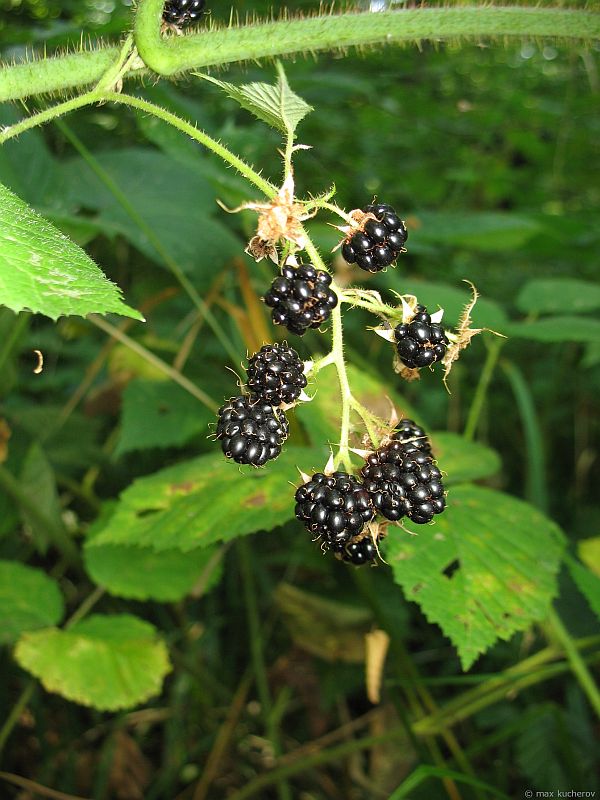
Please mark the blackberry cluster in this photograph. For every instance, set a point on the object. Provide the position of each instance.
(403, 480)
(335, 507)
(421, 342)
(183, 12)
(379, 242)
(276, 374)
(301, 298)
(251, 430)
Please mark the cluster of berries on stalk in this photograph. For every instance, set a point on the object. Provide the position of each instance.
(399, 479)
(348, 514)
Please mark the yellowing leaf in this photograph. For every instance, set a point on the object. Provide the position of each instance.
(107, 662)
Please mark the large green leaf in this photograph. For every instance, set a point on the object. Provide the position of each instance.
(461, 460)
(140, 573)
(171, 416)
(150, 196)
(558, 295)
(206, 500)
(485, 570)
(558, 329)
(483, 231)
(277, 105)
(107, 662)
(29, 599)
(43, 271)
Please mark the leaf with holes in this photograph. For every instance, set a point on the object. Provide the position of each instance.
(107, 662)
(207, 500)
(43, 271)
(486, 569)
(29, 599)
(277, 105)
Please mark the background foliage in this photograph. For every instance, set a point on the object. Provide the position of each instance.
(114, 498)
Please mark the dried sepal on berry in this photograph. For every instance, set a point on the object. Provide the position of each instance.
(461, 337)
(279, 220)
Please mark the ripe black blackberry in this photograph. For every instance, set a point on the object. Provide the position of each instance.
(336, 507)
(251, 431)
(380, 240)
(183, 13)
(403, 480)
(420, 342)
(360, 551)
(276, 374)
(301, 298)
(408, 431)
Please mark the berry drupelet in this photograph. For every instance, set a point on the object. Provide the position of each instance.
(420, 342)
(335, 507)
(360, 551)
(251, 431)
(301, 298)
(403, 480)
(182, 13)
(276, 374)
(380, 240)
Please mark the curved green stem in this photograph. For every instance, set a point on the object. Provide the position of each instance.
(170, 55)
(343, 455)
(48, 114)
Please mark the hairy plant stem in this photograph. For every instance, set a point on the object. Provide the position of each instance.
(286, 37)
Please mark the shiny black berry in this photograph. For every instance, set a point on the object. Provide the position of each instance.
(420, 342)
(276, 374)
(403, 480)
(334, 507)
(251, 431)
(301, 298)
(183, 12)
(360, 551)
(379, 242)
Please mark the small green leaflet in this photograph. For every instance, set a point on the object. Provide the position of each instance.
(29, 599)
(276, 105)
(107, 662)
(557, 329)
(43, 271)
(486, 569)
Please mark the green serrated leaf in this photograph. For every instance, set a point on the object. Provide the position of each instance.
(107, 662)
(556, 295)
(29, 600)
(589, 553)
(207, 500)
(277, 105)
(501, 556)
(140, 573)
(557, 329)
(45, 272)
(171, 416)
(461, 460)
